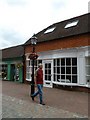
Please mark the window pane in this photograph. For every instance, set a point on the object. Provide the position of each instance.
(74, 79)
(46, 66)
(54, 69)
(58, 78)
(68, 77)
(49, 78)
(35, 68)
(88, 78)
(62, 70)
(68, 70)
(68, 61)
(28, 76)
(49, 65)
(54, 62)
(74, 70)
(62, 61)
(39, 61)
(27, 63)
(45, 77)
(49, 71)
(31, 62)
(62, 76)
(88, 70)
(35, 62)
(74, 61)
(45, 71)
(88, 61)
(58, 70)
(28, 69)
(58, 62)
(54, 78)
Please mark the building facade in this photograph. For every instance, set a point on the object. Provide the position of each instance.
(12, 63)
(64, 51)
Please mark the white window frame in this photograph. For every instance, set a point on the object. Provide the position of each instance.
(29, 68)
(65, 74)
(87, 65)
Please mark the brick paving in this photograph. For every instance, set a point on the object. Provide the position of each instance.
(16, 103)
(17, 108)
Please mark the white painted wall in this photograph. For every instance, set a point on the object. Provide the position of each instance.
(79, 52)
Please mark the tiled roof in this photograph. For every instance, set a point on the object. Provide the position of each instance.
(70, 27)
(13, 52)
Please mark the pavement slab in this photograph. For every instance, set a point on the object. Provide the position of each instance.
(17, 108)
(16, 102)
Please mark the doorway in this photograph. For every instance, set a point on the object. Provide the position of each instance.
(12, 72)
(48, 73)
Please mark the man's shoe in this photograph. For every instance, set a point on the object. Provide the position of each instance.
(42, 103)
(32, 97)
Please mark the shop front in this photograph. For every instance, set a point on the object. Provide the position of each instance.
(67, 67)
(12, 71)
(13, 64)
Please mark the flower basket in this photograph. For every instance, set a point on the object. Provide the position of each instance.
(33, 56)
(19, 65)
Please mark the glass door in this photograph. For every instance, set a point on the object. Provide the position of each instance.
(48, 71)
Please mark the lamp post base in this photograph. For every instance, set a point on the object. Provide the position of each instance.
(32, 91)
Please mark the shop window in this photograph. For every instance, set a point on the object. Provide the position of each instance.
(65, 70)
(4, 71)
(29, 68)
(87, 70)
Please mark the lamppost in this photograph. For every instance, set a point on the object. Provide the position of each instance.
(33, 56)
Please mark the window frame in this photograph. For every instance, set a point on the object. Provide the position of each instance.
(64, 74)
(29, 68)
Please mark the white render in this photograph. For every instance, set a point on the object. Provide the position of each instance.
(79, 52)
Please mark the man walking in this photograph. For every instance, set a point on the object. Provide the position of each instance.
(39, 82)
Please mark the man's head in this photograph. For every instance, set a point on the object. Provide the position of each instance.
(40, 65)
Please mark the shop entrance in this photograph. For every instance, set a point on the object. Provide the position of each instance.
(48, 73)
(12, 72)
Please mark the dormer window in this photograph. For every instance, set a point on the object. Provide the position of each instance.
(71, 24)
(50, 30)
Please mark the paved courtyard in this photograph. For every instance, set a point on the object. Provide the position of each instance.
(16, 103)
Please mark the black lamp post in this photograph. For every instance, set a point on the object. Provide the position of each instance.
(33, 56)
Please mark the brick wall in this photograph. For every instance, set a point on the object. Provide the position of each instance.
(69, 42)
